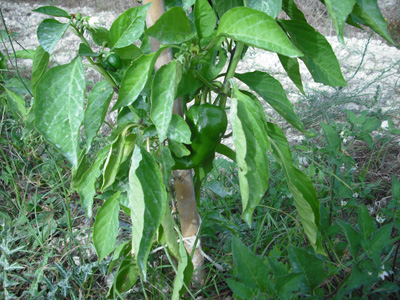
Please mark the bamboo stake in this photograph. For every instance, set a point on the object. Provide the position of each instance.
(183, 181)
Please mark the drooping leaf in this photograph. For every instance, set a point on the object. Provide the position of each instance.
(184, 274)
(125, 277)
(148, 198)
(301, 187)
(292, 11)
(222, 7)
(52, 11)
(134, 80)
(270, 7)
(272, 91)
(105, 227)
(204, 18)
(49, 32)
(39, 66)
(251, 269)
(164, 88)
(257, 29)
(128, 27)
(318, 56)
(292, 68)
(96, 110)
(309, 264)
(169, 234)
(339, 12)
(179, 130)
(167, 162)
(365, 222)
(87, 185)
(173, 27)
(368, 11)
(115, 157)
(251, 143)
(16, 104)
(59, 107)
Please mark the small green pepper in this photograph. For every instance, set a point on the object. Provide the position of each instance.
(208, 124)
(112, 62)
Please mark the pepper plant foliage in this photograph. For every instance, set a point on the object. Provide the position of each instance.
(147, 141)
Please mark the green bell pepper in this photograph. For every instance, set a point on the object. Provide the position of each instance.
(208, 124)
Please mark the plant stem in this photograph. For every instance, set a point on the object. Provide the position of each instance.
(237, 53)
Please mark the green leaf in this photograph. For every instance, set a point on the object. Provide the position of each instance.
(353, 237)
(39, 66)
(169, 234)
(52, 11)
(370, 124)
(134, 80)
(309, 264)
(222, 7)
(240, 289)
(395, 189)
(16, 104)
(184, 273)
(272, 91)
(225, 150)
(301, 187)
(130, 52)
(49, 32)
(318, 56)
(87, 186)
(186, 4)
(24, 54)
(365, 222)
(257, 29)
(115, 158)
(179, 130)
(292, 68)
(167, 162)
(148, 199)
(339, 12)
(205, 19)
(288, 284)
(381, 239)
(331, 137)
(251, 270)
(96, 110)
(368, 11)
(100, 35)
(105, 227)
(173, 27)
(128, 27)
(178, 149)
(270, 7)
(85, 50)
(292, 11)
(164, 88)
(251, 143)
(59, 107)
(125, 277)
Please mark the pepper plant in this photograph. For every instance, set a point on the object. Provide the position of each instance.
(175, 84)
